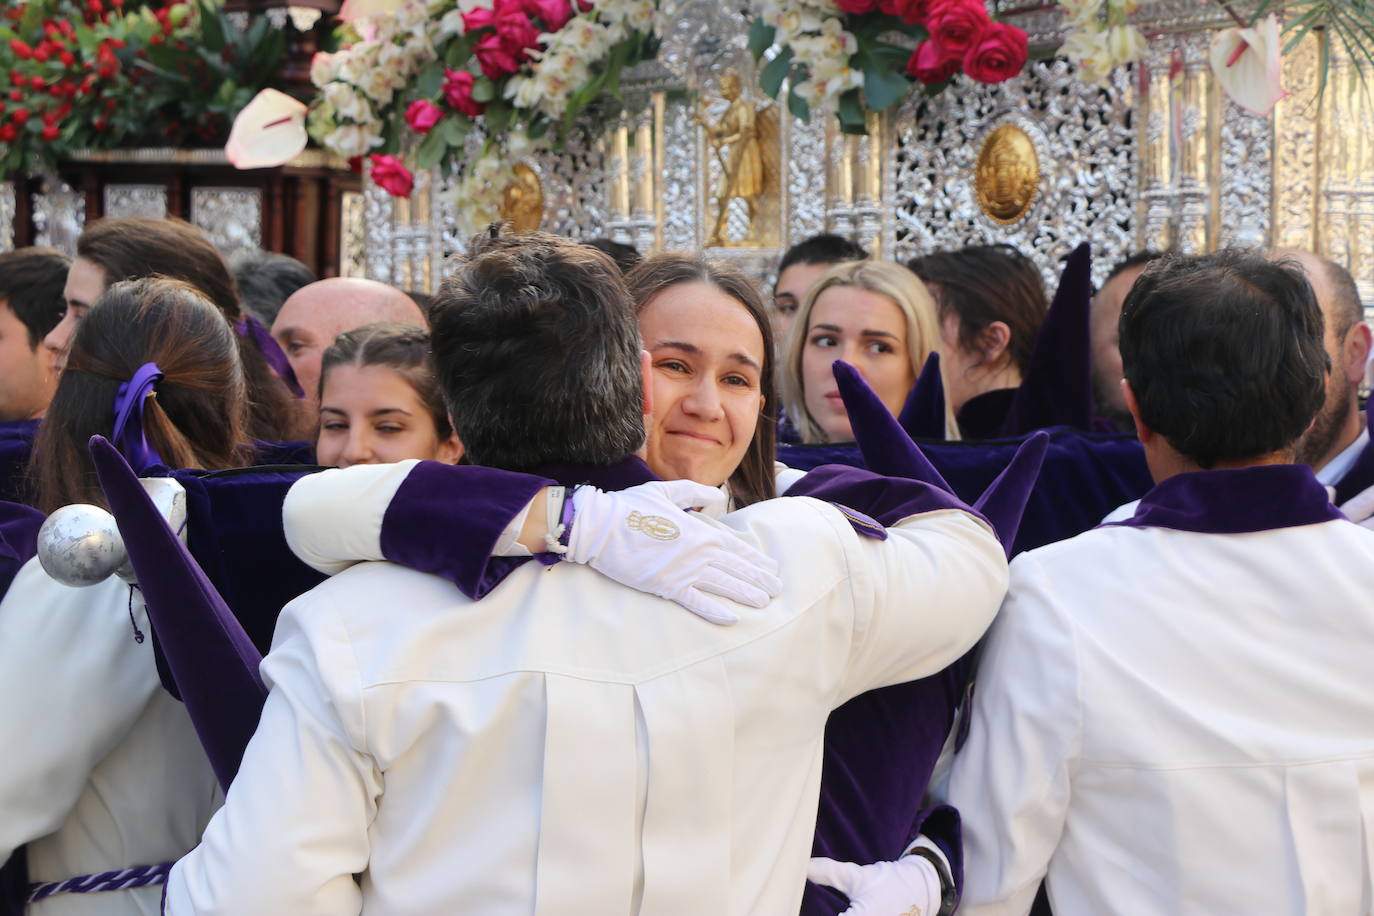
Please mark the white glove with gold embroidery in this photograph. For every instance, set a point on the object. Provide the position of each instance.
(908, 887)
(641, 537)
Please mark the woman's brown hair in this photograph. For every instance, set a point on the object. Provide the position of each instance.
(196, 415)
(130, 249)
(402, 348)
(753, 480)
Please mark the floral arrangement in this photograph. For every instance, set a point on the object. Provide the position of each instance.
(1246, 59)
(1098, 36)
(468, 86)
(842, 55)
(94, 74)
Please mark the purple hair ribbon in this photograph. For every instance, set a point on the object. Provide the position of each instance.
(248, 326)
(128, 434)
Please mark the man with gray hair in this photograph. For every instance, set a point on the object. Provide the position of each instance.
(1338, 435)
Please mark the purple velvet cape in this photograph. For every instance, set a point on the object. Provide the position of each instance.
(1235, 501)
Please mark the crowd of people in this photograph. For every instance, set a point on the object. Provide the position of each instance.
(765, 659)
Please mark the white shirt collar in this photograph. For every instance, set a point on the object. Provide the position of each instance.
(1332, 472)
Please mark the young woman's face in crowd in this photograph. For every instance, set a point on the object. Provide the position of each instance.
(707, 363)
(372, 415)
(85, 284)
(866, 330)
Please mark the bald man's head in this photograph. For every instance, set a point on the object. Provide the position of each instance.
(1347, 338)
(314, 315)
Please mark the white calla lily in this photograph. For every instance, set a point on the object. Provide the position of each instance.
(1247, 65)
(269, 131)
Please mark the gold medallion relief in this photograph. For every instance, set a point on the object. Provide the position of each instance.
(1007, 175)
(523, 201)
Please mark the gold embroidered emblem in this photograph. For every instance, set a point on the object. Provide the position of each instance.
(655, 526)
(914, 911)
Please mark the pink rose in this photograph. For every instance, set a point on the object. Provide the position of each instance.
(912, 12)
(857, 7)
(495, 59)
(422, 115)
(957, 24)
(931, 63)
(458, 92)
(516, 31)
(391, 176)
(998, 55)
(555, 13)
(479, 18)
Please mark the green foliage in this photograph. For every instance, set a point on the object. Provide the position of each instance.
(104, 73)
(1347, 24)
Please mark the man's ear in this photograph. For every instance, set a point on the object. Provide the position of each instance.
(1357, 346)
(993, 341)
(1142, 432)
(646, 378)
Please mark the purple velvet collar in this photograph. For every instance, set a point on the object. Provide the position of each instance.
(1236, 501)
(626, 473)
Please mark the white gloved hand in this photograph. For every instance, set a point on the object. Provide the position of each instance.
(908, 886)
(640, 537)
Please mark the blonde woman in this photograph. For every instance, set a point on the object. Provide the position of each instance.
(874, 315)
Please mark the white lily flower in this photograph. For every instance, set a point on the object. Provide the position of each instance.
(269, 131)
(1248, 66)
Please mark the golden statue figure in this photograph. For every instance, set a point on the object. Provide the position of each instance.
(744, 141)
(1007, 175)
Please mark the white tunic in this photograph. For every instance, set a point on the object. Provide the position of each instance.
(1171, 722)
(103, 770)
(568, 746)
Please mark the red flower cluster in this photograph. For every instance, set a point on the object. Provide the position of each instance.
(962, 37)
(512, 30)
(391, 175)
(458, 92)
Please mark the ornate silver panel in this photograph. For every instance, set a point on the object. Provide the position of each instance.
(1246, 147)
(575, 181)
(59, 214)
(136, 200)
(679, 180)
(352, 235)
(804, 204)
(6, 216)
(1089, 180)
(230, 217)
(377, 213)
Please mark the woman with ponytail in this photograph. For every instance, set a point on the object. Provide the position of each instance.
(106, 783)
(111, 250)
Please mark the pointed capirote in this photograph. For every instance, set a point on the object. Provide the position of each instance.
(886, 447)
(211, 658)
(923, 414)
(1057, 387)
(1004, 501)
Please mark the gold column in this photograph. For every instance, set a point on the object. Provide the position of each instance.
(1195, 228)
(1156, 138)
(1298, 150)
(620, 172)
(659, 103)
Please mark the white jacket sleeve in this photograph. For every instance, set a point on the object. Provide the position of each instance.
(72, 683)
(1012, 779)
(294, 827)
(333, 519)
(922, 597)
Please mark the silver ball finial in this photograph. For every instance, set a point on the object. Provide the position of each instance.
(80, 545)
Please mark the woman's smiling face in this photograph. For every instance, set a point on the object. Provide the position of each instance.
(707, 362)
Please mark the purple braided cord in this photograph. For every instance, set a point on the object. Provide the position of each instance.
(137, 876)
